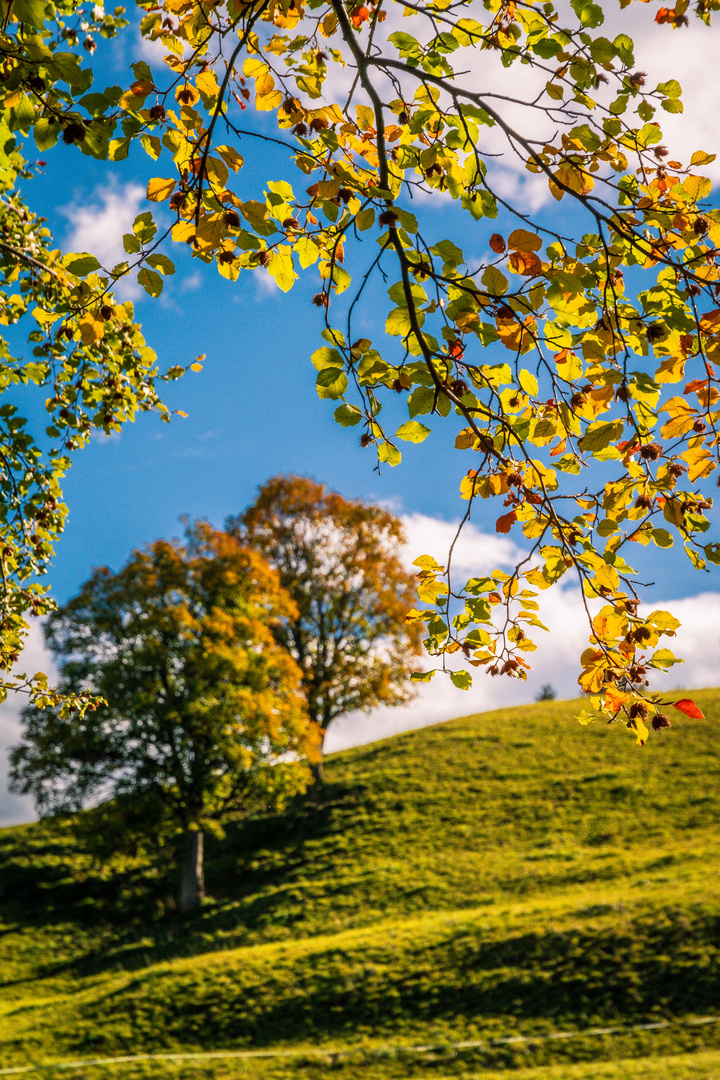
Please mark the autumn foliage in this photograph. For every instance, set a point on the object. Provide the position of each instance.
(577, 374)
(201, 716)
(339, 560)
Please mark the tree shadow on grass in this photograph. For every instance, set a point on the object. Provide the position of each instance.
(125, 908)
(649, 969)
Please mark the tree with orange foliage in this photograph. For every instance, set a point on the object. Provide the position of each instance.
(339, 560)
(203, 717)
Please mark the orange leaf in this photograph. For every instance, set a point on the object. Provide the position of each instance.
(710, 322)
(359, 16)
(689, 707)
(497, 243)
(505, 523)
(525, 262)
(522, 240)
(456, 349)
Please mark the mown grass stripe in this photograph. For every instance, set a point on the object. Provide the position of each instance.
(335, 1052)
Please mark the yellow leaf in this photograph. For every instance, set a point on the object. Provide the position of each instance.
(592, 676)
(230, 156)
(183, 231)
(159, 189)
(606, 577)
(91, 329)
(700, 462)
(671, 370)
(207, 84)
(697, 187)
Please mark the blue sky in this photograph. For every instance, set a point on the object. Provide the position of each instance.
(253, 412)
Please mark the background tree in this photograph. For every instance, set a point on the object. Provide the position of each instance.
(339, 561)
(203, 715)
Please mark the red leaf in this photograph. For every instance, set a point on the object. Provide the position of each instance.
(497, 243)
(689, 708)
(505, 523)
(359, 16)
(696, 384)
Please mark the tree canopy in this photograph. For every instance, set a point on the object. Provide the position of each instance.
(203, 715)
(339, 561)
(574, 362)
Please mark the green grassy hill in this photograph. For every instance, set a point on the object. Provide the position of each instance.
(492, 881)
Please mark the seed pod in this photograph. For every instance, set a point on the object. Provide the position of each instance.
(638, 710)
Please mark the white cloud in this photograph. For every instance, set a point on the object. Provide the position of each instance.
(688, 54)
(556, 660)
(475, 552)
(98, 226)
(35, 657)
(192, 282)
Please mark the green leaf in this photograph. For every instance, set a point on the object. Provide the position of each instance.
(601, 434)
(589, 14)
(412, 431)
(663, 658)
(144, 227)
(494, 281)
(161, 263)
(670, 89)
(348, 415)
(398, 322)
(82, 264)
(421, 401)
(66, 68)
(662, 538)
(461, 679)
(151, 282)
(45, 134)
(624, 47)
(422, 676)
(389, 453)
(30, 12)
(331, 383)
(324, 357)
(22, 115)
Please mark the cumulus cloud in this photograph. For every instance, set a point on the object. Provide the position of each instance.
(15, 809)
(98, 224)
(556, 661)
(475, 552)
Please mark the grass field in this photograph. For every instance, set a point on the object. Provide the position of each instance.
(491, 881)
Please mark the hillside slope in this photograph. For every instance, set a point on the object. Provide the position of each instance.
(502, 875)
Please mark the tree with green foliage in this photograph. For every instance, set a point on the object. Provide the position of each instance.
(574, 363)
(203, 718)
(86, 353)
(339, 561)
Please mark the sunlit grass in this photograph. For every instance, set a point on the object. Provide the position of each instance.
(506, 873)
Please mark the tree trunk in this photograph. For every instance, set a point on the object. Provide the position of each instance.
(192, 885)
(318, 773)
(316, 767)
